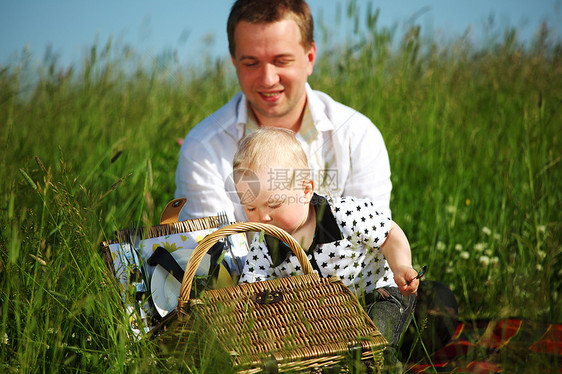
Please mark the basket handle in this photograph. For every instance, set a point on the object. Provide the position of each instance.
(235, 228)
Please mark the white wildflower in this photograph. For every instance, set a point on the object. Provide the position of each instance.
(486, 230)
(495, 260)
(484, 260)
(440, 246)
(464, 255)
(5, 339)
(541, 228)
(451, 209)
(479, 247)
(497, 236)
(539, 267)
(458, 247)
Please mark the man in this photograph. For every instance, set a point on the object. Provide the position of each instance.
(272, 48)
(273, 51)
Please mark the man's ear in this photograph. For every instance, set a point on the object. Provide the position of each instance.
(311, 58)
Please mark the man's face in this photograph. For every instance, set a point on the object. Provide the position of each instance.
(272, 68)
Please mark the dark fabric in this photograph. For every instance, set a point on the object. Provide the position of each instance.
(162, 257)
(391, 312)
(436, 317)
(326, 231)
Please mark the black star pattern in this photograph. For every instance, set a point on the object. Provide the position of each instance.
(355, 257)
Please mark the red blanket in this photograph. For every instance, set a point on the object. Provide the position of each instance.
(509, 345)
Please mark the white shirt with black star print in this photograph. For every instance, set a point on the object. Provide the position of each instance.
(354, 253)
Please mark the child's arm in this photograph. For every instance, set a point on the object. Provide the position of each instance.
(396, 250)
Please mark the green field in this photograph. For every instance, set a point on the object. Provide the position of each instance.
(474, 139)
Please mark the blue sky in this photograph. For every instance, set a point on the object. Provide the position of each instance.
(195, 27)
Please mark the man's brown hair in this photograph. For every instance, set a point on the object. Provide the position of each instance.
(270, 11)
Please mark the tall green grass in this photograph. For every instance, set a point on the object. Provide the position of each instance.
(473, 135)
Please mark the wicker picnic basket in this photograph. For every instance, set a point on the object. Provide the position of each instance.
(302, 323)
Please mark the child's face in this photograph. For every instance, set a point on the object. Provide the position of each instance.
(279, 202)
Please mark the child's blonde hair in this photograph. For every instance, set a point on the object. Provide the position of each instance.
(270, 147)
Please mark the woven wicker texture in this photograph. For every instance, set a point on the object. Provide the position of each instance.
(190, 225)
(306, 323)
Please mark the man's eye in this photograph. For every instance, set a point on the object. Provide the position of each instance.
(282, 62)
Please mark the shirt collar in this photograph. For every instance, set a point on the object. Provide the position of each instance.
(327, 231)
(314, 118)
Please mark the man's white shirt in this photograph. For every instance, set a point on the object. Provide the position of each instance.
(345, 150)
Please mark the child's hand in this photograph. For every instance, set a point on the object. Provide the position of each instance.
(406, 280)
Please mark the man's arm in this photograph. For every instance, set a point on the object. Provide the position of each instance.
(369, 174)
(200, 178)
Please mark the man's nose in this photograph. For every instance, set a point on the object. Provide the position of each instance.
(270, 77)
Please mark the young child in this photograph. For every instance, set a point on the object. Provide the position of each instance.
(342, 236)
